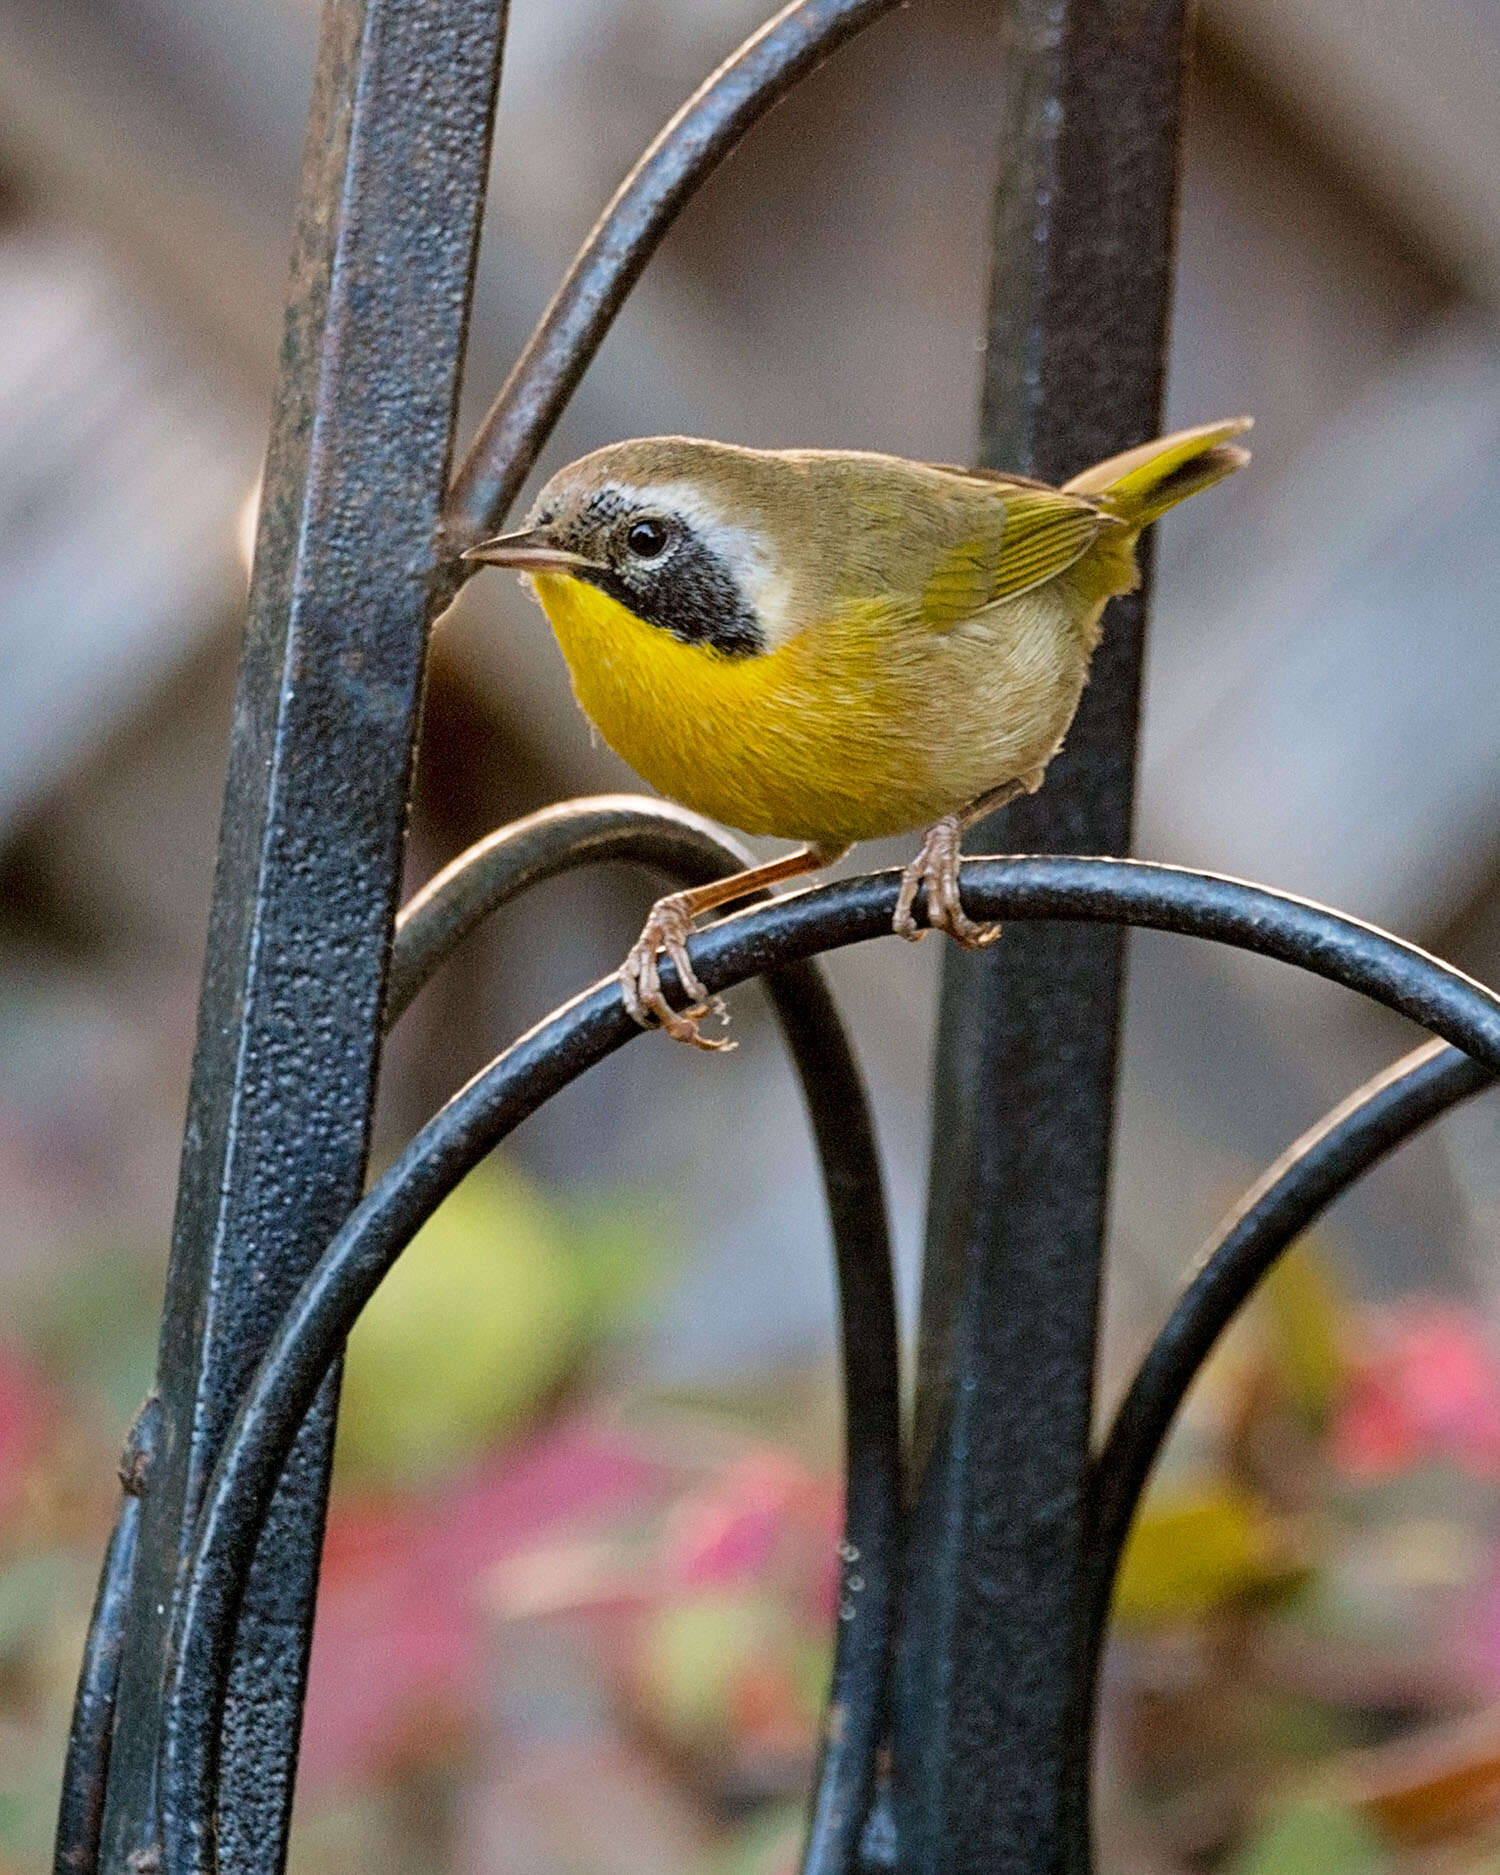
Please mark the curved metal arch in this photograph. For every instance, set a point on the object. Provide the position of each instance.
(1288, 1197)
(685, 152)
(629, 828)
(1283, 1202)
(581, 1033)
(80, 1813)
(690, 850)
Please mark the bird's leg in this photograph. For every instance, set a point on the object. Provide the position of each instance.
(935, 870)
(667, 930)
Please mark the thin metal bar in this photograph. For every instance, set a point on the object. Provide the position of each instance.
(80, 1814)
(686, 152)
(857, 1715)
(988, 1669)
(570, 1041)
(1273, 1213)
(689, 850)
(311, 843)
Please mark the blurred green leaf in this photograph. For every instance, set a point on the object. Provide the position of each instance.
(1305, 1317)
(1193, 1550)
(96, 1324)
(480, 1320)
(30, 1588)
(692, 1653)
(621, 1240)
(722, 1665)
(1315, 1836)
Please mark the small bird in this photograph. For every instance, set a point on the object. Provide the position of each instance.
(832, 645)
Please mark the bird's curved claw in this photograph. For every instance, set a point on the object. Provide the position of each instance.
(667, 930)
(935, 871)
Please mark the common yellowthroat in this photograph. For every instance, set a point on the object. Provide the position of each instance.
(833, 646)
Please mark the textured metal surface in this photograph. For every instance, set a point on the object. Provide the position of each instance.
(583, 1032)
(1026, 1059)
(689, 850)
(1273, 1213)
(689, 148)
(310, 850)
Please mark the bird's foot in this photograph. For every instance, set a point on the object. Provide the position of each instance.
(935, 871)
(667, 931)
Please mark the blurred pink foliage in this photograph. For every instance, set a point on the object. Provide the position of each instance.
(763, 1510)
(1425, 1388)
(28, 1417)
(704, 1599)
(398, 1652)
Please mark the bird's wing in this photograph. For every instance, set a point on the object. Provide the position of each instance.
(1043, 532)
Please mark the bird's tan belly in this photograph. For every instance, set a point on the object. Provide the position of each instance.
(846, 734)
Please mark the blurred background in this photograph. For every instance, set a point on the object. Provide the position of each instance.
(578, 1579)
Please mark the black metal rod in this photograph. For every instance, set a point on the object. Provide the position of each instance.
(856, 1716)
(1273, 1213)
(573, 1039)
(311, 845)
(80, 1815)
(690, 851)
(1026, 1058)
(685, 153)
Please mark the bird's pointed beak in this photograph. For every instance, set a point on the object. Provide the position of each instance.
(530, 551)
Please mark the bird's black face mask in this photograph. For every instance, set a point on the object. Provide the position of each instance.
(653, 563)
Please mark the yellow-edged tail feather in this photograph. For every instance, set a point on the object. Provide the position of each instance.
(1144, 482)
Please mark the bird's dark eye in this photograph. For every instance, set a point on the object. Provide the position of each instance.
(647, 538)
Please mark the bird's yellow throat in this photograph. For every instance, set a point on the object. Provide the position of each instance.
(795, 742)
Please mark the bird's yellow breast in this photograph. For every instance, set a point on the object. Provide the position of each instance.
(860, 726)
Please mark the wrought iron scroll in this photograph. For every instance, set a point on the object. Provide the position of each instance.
(573, 1039)
(689, 850)
(1274, 1212)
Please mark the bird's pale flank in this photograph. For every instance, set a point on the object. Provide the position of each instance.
(832, 646)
